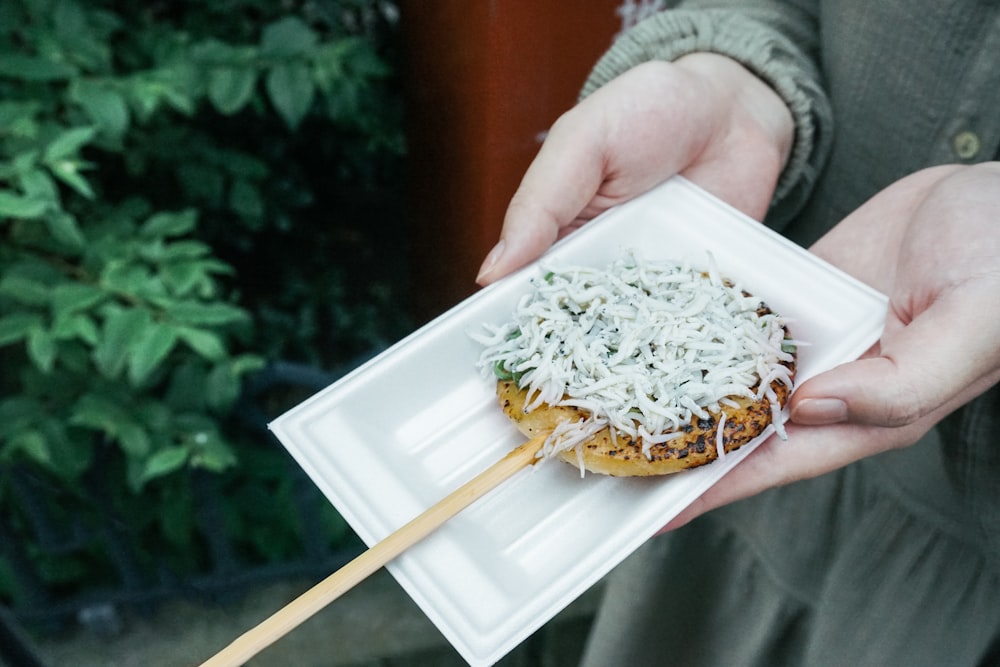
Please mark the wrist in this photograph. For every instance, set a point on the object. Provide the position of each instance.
(746, 102)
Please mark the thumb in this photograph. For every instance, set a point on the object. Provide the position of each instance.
(917, 369)
(868, 391)
(528, 231)
(556, 193)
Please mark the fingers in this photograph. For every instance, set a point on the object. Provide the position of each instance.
(808, 452)
(946, 356)
(617, 143)
(545, 205)
(941, 346)
(707, 117)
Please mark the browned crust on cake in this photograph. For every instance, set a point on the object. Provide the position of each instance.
(621, 456)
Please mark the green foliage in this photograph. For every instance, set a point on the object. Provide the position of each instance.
(147, 152)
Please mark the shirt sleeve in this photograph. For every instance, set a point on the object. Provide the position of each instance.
(777, 41)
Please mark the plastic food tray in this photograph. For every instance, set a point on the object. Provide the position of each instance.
(402, 431)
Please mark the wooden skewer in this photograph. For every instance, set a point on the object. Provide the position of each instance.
(303, 607)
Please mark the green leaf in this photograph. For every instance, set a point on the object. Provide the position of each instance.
(76, 325)
(212, 453)
(65, 230)
(206, 343)
(169, 223)
(83, 33)
(287, 37)
(16, 326)
(225, 381)
(25, 160)
(37, 184)
(186, 278)
(31, 443)
(128, 278)
(74, 297)
(186, 249)
(121, 327)
(69, 143)
(134, 439)
(222, 387)
(178, 97)
(149, 350)
(16, 206)
(104, 414)
(144, 97)
(171, 84)
(212, 51)
(291, 90)
(42, 349)
(231, 88)
(68, 171)
(31, 68)
(75, 362)
(71, 454)
(19, 118)
(205, 314)
(347, 59)
(103, 104)
(247, 363)
(164, 462)
(98, 412)
(25, 290)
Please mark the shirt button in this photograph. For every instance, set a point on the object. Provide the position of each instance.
(966, 145)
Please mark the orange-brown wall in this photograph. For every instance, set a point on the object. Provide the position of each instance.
(484, 79)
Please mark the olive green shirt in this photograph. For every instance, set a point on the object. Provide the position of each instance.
(894, 560)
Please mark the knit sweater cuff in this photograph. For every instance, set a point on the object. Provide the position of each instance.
(762, 50)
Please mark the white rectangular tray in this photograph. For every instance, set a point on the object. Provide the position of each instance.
(405, 429)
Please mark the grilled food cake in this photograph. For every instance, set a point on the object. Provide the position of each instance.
(642, 368)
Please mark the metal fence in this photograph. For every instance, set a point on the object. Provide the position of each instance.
(56, 529)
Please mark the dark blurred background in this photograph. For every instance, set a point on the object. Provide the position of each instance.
(210, 211)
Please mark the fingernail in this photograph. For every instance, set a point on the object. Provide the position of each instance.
(819, 411)
(491, 259)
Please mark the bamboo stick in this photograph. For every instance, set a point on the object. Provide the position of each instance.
(326, 591)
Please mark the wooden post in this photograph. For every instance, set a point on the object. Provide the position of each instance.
(483, 82)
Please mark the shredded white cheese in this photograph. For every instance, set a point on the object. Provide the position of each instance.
(641, 346)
